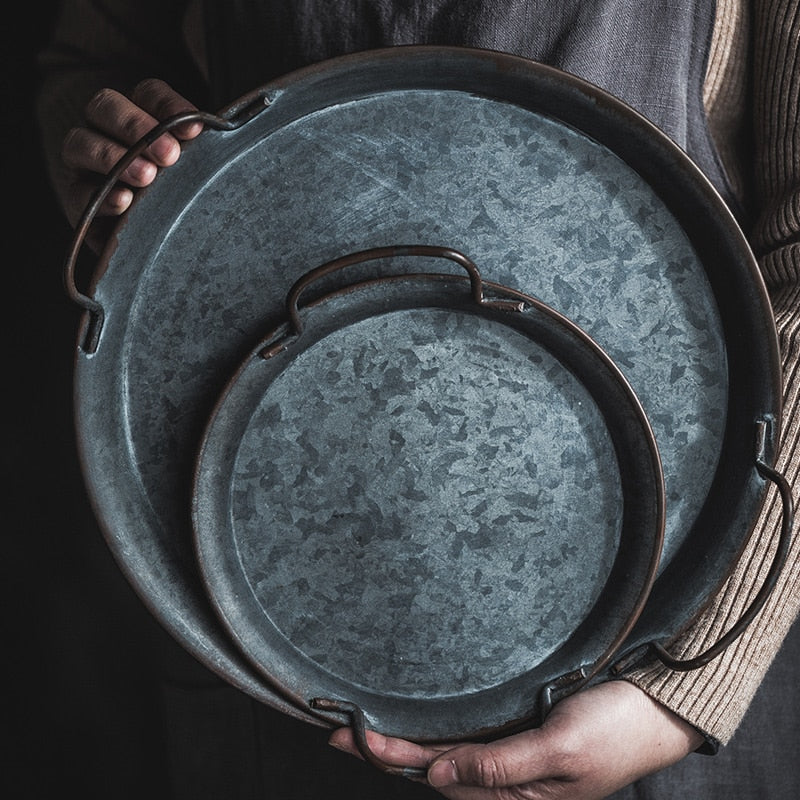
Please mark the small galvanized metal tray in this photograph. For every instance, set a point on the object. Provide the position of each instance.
(555, 188)
(427, 501)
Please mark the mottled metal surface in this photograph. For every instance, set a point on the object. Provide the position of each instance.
(425, 500)
(453, 149)
(411, 498)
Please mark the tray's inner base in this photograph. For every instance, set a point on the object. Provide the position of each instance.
(425, 502)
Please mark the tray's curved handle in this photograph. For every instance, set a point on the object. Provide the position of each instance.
(779, 557)
(358, 724)
(374, 254)
(233, 118)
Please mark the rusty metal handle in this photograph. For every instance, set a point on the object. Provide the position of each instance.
(779, 557)
(230, 120)
(358, 724)
(374, 254)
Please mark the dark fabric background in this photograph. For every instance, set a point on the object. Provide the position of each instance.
(75, 705)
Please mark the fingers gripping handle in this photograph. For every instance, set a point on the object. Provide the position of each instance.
(359, 727)
(234, 118)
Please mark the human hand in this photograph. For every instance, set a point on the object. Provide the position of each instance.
(592, 743)
(113, 123)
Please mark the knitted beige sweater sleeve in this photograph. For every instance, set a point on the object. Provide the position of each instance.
(716, 697)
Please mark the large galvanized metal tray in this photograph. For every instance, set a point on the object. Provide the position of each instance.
(556, 189)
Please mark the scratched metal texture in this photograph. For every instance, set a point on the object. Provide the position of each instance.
(412, 499)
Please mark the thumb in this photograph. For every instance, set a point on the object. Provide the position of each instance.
(507, 762)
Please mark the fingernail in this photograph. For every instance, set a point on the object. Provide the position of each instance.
(164, 149)
(443, 773)
(189, 131)
(119, 199)
(141, 172)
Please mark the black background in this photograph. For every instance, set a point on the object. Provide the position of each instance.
(75, 701)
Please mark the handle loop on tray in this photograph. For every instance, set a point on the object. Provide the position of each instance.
(374, 254)
(787, 523)
(230, 120)
(358, 725)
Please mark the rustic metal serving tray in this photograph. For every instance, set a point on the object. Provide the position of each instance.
(553, 187)
(427, 501)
